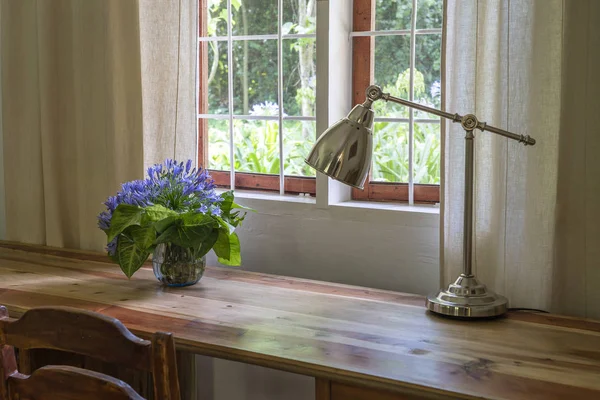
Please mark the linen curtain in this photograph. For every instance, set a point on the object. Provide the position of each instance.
(528, 66)
(92, 92)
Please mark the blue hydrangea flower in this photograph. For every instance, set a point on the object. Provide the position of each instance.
(174, 185)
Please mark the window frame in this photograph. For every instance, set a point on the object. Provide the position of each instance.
(242, 180)
(363, 75)
(363, 16)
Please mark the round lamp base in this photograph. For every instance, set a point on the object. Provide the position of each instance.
(467, 298)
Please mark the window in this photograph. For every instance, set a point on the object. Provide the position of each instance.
(400, 50)
(257, 93)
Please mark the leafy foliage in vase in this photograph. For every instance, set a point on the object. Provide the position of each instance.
(175, 204)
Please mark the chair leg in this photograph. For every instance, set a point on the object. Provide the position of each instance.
(164, 363)
(8, 366)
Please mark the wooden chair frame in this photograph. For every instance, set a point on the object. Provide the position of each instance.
(93, 335)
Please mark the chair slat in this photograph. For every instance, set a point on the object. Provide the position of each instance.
(68, 383)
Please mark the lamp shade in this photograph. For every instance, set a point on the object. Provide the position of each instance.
(344, 151)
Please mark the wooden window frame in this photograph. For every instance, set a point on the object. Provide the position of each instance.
(243, 180)
(363, 74)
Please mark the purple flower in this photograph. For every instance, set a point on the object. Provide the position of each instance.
(173, 185)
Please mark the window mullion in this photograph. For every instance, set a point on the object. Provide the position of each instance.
(280, 95)
(230, 94)
(411, 113)
(402, 32)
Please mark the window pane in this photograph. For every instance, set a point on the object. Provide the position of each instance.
(254, 17)
(298, 138)
(390, 152)
(299, 76)
(216, 78)
(428, 72)
(392, 73)
(255, 77)
(218, 144)
(393, 15)
(299, 16)
(217, 18)
(256, 146)
(426, 155)
(429, 14)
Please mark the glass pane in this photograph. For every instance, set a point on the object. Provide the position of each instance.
(299, 76)
(216, 77)
(426, 156)
(217, 18)
(298, 138)
(299, 16)
(393, 15)
(254, 17)
(392, 73)
(218, 144)
(256, 146)
(428, 60)
(429, 14)
(255, 77)
(390, 152)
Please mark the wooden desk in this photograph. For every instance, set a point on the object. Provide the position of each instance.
(359, 343)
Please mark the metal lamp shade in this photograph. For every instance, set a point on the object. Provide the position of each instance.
(343, 152)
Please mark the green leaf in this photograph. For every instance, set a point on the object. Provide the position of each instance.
(190, 230)
(234, 205)
(194, 218)
(227, 202)
(157, 213)
(163, 224)
(225, 225)
(142, 236)
(131, 256)
(227, 248)
(208, 243)
(123, 217)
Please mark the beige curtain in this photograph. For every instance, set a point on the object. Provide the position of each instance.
(92, 91)
(529, 66)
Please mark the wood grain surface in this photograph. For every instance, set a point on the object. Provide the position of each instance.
(348, 334)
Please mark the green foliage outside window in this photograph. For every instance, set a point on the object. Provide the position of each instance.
(256, 146)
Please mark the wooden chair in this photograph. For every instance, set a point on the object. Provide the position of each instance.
(92, 335)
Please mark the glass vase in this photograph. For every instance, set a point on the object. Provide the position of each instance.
(177, 266)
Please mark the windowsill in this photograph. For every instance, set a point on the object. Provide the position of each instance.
(270, 196)
(390, 206)
(372, 205)
(265, 203)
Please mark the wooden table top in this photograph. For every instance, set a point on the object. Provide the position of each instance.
(350, 334)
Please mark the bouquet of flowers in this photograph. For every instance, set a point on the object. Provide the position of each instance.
(176, 205)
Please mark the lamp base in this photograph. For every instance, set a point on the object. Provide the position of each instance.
(467, 298)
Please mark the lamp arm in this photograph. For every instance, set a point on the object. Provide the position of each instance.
(469, 122)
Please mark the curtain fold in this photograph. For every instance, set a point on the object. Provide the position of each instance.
(526, 66)
(83, 106)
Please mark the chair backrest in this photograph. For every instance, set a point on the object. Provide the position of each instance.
(68, 383)
(97, 336)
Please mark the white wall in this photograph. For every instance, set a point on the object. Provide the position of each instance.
(395, 248)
